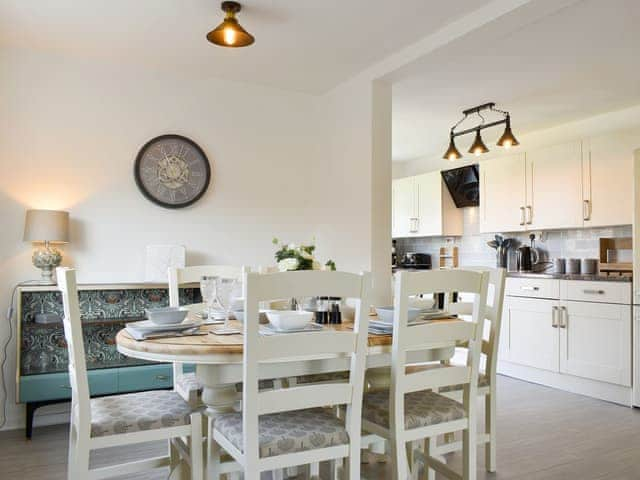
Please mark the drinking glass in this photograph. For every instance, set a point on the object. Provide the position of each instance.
(226, 292)
(208, 292)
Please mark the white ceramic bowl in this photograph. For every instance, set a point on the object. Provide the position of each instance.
(167, 315)
(289, 319)
(238, 315)
(385, 314)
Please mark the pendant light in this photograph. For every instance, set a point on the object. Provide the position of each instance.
(452, 152)
(230, 33)
(508, 139)
(478, 147)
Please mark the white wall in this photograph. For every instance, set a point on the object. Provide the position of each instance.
(69, 134)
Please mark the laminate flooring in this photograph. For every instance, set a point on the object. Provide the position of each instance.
(542, 434)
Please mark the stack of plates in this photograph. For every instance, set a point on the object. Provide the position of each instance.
(380, 328)
(271, 329)
(145, 328)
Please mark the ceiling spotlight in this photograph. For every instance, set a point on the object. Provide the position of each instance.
(478, 147)
(230, 33)
(508, 139)
(452, 152)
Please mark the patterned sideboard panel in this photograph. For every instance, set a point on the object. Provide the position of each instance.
(103, 312)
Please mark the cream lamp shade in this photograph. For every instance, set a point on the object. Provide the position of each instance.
(46, 226)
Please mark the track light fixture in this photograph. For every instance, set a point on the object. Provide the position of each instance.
(478, 147)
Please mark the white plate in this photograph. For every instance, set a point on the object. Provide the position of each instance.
(270, 329)
(148, 326)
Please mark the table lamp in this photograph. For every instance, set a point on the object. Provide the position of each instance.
(47, 227)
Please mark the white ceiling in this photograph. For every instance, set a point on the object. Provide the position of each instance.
(580, 61)
(303, 45)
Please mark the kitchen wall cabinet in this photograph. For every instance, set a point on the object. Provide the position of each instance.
(607, 179)
(503, 194)
(554, 187)
(582, 183)
(422, 207)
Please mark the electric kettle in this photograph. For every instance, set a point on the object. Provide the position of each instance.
(527, 258)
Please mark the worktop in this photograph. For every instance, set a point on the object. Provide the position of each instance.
(570, 276)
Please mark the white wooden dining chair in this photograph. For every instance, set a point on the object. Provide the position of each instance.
(121, 419)
(412, 410)
(186, 384)
(487, 375)
(296, 426)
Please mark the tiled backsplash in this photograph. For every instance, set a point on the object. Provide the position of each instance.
(473, 249)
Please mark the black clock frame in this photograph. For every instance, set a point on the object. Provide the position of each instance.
(147, 194)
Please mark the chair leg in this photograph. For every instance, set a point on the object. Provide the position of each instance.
(80, 466)
(429, 448)
(490, 429)
(399, 469)
(469, 450)
(212, 454)
(314, 471)
(197, 467)
(278, 474)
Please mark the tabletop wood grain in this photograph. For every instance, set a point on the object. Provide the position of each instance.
(219, 344)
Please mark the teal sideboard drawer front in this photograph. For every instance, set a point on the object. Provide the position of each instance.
(149, 377)
(55, 386)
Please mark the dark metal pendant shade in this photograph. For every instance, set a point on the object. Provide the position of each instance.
(508, 139)
(452, 152)
(230, 33)
(478, 147)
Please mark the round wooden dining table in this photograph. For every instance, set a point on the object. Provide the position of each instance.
(218, 361)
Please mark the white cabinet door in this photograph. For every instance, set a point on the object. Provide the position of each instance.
(502, 194)
(608, 179)
(554, 186)
(428, 189)
(532, 336)
(595, 341)
(403, 207)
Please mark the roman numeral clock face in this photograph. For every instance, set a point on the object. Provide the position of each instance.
(172, 171)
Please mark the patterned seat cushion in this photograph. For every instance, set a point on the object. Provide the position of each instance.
(421, 409)
(288, 432)
(135, 412)
(483, 381)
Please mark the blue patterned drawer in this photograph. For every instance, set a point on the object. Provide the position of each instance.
(149, 377)
(55, 386)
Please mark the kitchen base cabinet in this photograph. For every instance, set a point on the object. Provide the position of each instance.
(533, 338)
(574, 345)
(595, 341)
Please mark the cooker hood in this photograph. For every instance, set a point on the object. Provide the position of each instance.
(463, 185)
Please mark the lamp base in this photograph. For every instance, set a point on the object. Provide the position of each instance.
(47, 260)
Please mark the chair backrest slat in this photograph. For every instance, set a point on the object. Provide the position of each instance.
(296, 347)
(436, 378)
(80, 399)
(306, 345)
(422, 336)
(180, 276)
(311, 396)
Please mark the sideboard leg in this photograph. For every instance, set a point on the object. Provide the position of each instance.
(31, 410)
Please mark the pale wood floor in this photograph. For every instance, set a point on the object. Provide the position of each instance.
(543, 434)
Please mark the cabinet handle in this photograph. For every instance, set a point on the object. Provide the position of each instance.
(66, 387)
(162, 377)
(563, 317)
(530, 289)
(522, 219)
(586, 210)
(593, 292)
(530, 216)
(554, 317)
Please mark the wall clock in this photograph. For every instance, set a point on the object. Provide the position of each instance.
(172, 171)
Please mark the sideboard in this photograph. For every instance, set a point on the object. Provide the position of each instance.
(41, 374)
